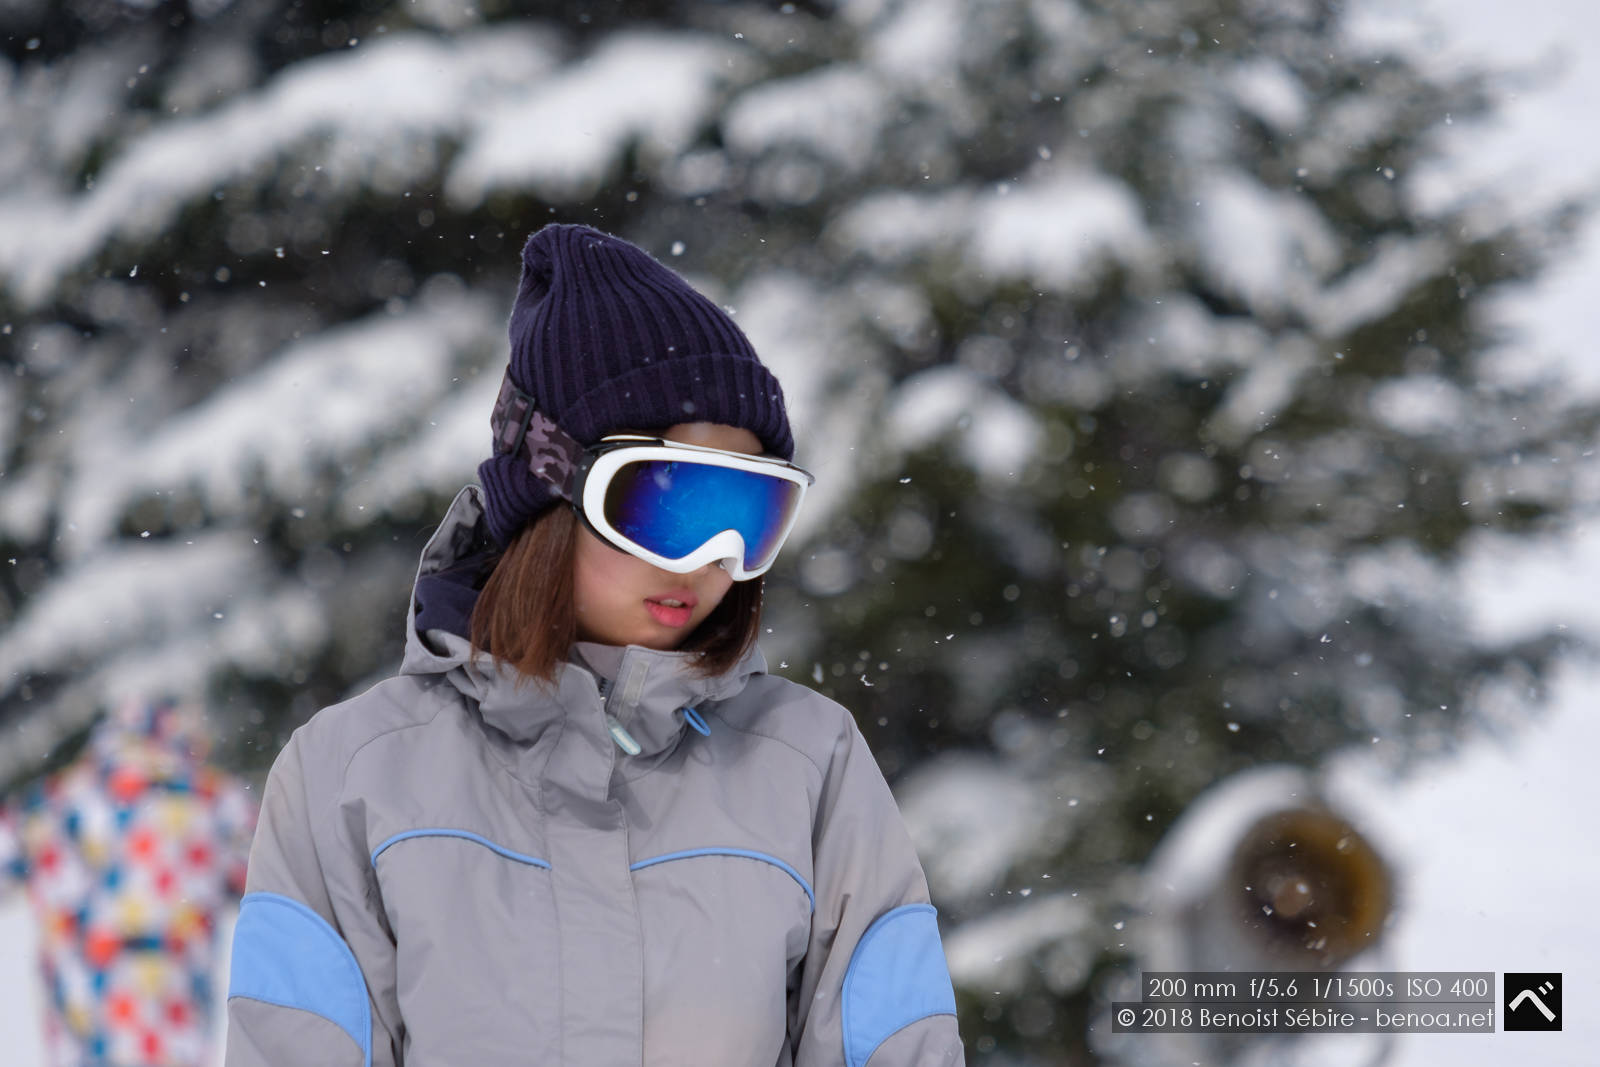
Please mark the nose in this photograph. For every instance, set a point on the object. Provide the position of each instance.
(715, 570)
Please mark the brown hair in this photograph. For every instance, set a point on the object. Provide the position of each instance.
(525, 614)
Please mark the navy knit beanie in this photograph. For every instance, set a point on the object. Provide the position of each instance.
(606, 339)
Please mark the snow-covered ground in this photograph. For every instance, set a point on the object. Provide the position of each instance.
(1495, 846)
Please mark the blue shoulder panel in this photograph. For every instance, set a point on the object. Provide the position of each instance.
(286, 954)
(897, 976)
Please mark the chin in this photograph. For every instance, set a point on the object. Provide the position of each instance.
(657, 641)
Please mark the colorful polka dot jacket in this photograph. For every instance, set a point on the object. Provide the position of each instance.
(128, 854)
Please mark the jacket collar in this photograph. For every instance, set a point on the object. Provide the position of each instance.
(643, 690)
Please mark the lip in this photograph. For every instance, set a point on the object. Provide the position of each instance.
(674, 617)
(682, 596)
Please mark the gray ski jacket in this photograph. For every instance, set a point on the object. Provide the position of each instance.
(454, 869)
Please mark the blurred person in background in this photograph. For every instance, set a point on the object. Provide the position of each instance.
(129, 853)
(583, 824)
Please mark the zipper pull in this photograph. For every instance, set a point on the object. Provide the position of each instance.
(696, 723)
(621, 736)
(618, 732)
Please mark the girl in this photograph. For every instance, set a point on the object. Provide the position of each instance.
(583, 825)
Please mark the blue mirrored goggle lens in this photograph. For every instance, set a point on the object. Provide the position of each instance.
(673, 507)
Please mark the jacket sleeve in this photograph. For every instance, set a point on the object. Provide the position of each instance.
(311, 973)
(874, 989)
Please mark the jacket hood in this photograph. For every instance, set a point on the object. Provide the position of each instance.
(644, 690)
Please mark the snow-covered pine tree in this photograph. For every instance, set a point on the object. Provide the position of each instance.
(254, 265)
(1150, 412)
(1188, 411)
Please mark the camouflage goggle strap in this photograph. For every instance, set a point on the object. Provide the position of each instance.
(520, 429)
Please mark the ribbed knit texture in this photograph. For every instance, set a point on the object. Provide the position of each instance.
(606, 339)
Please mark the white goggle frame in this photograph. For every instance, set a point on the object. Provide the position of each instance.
(726, 548)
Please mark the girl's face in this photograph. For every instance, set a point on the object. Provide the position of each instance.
(622, 600)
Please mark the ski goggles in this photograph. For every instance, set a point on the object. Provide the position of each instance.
(680, 507)
(676, 506)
